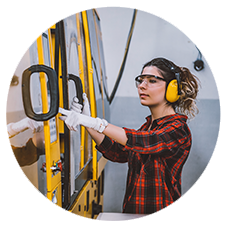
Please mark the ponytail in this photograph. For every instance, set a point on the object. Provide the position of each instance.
(189, 90)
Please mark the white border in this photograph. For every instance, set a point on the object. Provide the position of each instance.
(173, 21)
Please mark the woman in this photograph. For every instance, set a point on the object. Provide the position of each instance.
(158, 150)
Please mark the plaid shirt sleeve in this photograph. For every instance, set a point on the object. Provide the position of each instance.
(113, 151)
(159, 142)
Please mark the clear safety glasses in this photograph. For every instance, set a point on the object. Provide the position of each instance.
(150, 80)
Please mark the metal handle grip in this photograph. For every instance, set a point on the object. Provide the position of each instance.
(79, 87)
(54, 93)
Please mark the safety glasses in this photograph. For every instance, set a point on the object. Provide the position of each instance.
(149, 79)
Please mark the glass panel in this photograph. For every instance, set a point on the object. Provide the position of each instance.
(35, 93)
(46, 49)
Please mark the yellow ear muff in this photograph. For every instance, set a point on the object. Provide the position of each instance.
(172, 91)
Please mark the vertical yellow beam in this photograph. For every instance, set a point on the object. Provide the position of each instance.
(43, 85)
(100, 66)
(46, 127)
(52, 150)
(81, 71)
(91, 88)
(42, 76)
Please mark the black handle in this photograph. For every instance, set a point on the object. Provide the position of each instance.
(54, 93)
(79, 87)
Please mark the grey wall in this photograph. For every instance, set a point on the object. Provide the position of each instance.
(153, 37)
(204, 129)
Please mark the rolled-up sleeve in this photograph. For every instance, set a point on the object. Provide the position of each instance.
(113, 151)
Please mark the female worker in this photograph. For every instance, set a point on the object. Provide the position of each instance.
(158, 150)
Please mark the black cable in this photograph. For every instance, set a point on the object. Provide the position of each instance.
(124, 59)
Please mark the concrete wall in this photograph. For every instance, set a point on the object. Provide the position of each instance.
(153, 37)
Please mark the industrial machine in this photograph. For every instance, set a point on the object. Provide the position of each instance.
(65, 61)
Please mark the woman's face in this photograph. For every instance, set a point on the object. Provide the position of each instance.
(152, 90)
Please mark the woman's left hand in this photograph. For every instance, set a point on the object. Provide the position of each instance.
(72, 119)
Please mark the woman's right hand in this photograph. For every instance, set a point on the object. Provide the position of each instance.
(96, 136)
(78, 107)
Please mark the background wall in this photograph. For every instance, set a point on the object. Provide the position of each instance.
(153, 37)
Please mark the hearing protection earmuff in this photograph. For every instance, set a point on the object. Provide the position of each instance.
(173, 89)
(173, 86)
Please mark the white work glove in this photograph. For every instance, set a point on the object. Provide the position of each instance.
(22, 125)
(72, 119)
(78, 107)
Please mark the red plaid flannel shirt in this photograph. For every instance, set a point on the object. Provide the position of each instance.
(155, 160)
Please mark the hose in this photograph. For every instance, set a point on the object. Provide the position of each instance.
(111, 97)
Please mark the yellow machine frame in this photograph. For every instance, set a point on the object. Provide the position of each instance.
(52, 150)
(98, 167)
(88, 197)
(91, 87)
